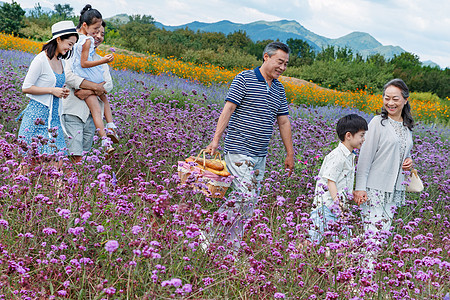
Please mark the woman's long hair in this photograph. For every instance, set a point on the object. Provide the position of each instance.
(408, 120)
(50, 47)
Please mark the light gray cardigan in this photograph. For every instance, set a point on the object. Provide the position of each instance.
(379, 161)
(72, 105)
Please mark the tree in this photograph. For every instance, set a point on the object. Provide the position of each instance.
(136, 35)
(376, 59)
(256, 49)
(144, 19)
(406, 60)
(11, 18)
(63, 11)
(301, 49)
(344, 54)
(37, 11)
(238, 39)
(327, 54)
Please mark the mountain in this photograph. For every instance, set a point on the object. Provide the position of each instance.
(119, 19)
(258, 31)
(429, 63)
(359, 42)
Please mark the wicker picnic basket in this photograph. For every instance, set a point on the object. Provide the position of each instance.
(194, 174)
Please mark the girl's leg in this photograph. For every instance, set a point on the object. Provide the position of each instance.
(110, 126)
(96, 112)
(107, 108)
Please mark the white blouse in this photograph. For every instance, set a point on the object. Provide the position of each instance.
(338, 166)
(40, 74)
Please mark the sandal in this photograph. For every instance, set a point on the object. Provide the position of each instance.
(111, 133)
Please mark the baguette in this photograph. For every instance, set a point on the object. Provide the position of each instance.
(222, 172)
(190, 159)
(210, 163)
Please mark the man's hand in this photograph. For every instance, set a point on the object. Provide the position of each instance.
(83, 94)
(289, 163)
(99, 88)
(96, 88)
(212, 147)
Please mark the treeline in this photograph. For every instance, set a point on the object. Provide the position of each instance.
(336, 68)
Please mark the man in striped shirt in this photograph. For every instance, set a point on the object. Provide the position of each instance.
(255, 100)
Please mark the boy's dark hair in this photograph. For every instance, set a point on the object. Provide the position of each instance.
(350, 123)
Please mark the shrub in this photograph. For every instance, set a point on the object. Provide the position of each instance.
(229, 59)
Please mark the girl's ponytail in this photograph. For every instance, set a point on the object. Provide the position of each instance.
(85, 9)
(89, 15)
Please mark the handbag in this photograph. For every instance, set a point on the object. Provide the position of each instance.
(415, 183)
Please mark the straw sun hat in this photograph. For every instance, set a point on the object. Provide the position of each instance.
(62, 28)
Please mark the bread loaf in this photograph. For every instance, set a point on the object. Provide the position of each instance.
(214, 164)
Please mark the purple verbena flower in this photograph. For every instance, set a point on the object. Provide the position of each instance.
(111, 246)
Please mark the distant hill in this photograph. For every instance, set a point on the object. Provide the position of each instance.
(359, 42)
(429, 63)
(119, 19)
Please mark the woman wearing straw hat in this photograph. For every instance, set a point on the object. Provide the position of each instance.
(44, 85)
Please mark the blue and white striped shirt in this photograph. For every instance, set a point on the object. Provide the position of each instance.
(251, 124)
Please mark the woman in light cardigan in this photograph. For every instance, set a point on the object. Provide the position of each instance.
(384, 156)
(44, 85)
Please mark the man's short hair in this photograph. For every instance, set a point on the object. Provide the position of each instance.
(350, 123)
(273, 47)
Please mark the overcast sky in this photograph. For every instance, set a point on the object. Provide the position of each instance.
(421, 27)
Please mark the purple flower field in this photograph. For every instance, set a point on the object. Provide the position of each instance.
(125, 228)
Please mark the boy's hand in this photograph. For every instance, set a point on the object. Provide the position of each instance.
(360, 197)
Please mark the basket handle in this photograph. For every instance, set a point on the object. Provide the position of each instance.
(198, 156)
(202, 152)
(215, 154)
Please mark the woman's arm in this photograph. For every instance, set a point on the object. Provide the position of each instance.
(85, 63)
(367, 154)
(55, 91)
(408, 162)
(365, 160)
(35, 71)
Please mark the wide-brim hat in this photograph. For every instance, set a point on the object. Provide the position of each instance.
(62, 28)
